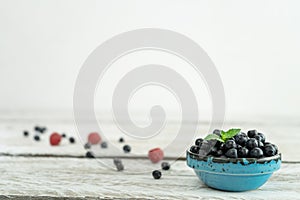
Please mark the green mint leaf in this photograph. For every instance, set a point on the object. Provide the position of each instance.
(213, 137)
(229, 134)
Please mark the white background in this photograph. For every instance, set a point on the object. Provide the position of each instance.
(255, 46)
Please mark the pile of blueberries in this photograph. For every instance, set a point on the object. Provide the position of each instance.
(250, 145)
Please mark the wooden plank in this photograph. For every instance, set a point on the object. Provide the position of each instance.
(61, 177)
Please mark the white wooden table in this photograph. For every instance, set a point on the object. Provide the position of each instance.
(32, 169)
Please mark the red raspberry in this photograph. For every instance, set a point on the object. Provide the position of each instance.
(55, 139)
(155, 155)
(94, 138)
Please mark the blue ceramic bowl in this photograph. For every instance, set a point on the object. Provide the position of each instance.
(233, 174)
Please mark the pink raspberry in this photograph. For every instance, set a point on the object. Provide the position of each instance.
(155, 155)
(55, 139)
(94, 138)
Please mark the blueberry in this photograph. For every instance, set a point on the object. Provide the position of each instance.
(239, 146)
(229, 144)
(243, 152)
(269, 150)
(121, 140)
(213, 151)
(43, 129)
(276, 148)
(231, 153)
(256, 152)
(117, 161)
(219, 153)
(89, 154)
(103, 145)
(251, 143)
(119, 166)
(37, 128)
(217, 132)
(72, 140)
(260, 144)
(87, 146)
(222, 147)
(63, 135)
(241, 139)
(258, 137)
(263, 137)
(252, 133)
(126, 148)
(198, 142)
(195, 149)
(25, 133)
(36, 138)
(156, 174)
(165, 165)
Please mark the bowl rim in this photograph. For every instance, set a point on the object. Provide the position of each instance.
(233, 160)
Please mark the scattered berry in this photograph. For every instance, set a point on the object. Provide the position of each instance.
(87, 146)
(156, 154)
(252, 133)
(256, 153)
(89, 154)
(103, 145)
(94, 138)
(72, 140)
(121, 140)
(117, 160)
(25, 133)
(43, 129)
(36, 138)
(37, 128)
(165, 165)
(251, 143)
(120, 166)
(156, 174)
(126, 148)
(63, 135)
(231, 153)
(55, 139)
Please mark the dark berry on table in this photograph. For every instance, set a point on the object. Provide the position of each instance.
(263, 137)
(72, 140)
(217, 132)
(198, 142)
(37, 138)
(195, 149)
(117, 161)
(165, 165)
(256, 153)
(87, 146)
(243, 152)
(241, 139)
(156, 174)
(119, 166)
(121, 140)
(269, 150)
(251, 143)
(103, 145)
(89, 154)
(126, 148)
(25, 133)
(43, 129)
(229, 144)
(231, 153)
(37, 128)
(252, 133)
(63, 135)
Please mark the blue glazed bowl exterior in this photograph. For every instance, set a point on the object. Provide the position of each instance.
(229, 174)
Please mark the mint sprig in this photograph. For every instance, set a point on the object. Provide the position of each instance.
(224, 135)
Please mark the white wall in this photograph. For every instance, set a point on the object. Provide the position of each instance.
(254, 44)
